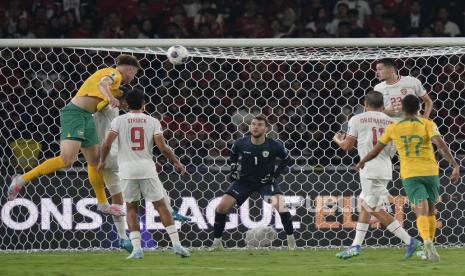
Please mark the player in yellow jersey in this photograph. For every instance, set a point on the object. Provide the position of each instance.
(78, 132)
(414, 138)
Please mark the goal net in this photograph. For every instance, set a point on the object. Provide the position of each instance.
(307, 93)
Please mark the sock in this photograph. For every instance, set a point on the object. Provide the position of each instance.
(360, 232)
(135, 239)
(432, 227)
(399, 232)
(120, 227)
(218, 227)
(286, 219)
(174, 236)
(423, 228)
(98, 184)
(48, 166)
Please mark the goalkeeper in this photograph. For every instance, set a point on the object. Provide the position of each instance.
(78, 131)
(258, 154)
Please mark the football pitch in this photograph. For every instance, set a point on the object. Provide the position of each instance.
(235, 262)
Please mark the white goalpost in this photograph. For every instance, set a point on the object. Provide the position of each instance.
(307, 88)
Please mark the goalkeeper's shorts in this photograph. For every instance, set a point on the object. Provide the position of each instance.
(242, 190)
(78, 124)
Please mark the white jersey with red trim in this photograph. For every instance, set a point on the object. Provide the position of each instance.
(103, 120)
(135, 144)
(367, 127)
(395, 92)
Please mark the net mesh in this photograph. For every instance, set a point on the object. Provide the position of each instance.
(307, 94)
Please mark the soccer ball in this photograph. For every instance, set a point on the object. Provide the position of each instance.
(262, 236)
(177, 54)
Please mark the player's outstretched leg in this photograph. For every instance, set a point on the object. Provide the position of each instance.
(168, 222)
(69, 150)
(221, 213)
(393, 226)
(134, 231)
(174, 213)
(278, 203)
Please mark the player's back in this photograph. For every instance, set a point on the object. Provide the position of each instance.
(367, 127)
(412, 138)
(135, 144)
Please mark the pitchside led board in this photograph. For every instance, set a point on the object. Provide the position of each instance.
(62, 214)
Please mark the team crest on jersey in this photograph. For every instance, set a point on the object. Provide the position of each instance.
(403, 91)
(265, 153)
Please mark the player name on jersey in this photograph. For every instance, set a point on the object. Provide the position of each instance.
(137, 121)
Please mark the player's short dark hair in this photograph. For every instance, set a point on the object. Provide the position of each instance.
(135, 99)
(125, 59)
(390, 62)
(374, 99)
(261, 118)
(411, 104)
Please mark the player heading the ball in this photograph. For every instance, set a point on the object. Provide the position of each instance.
(78, 132)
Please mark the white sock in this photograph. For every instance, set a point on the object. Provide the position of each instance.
(135, 239)
(360, 232)
(20, 180)
(400, 232)
(120, 227)
(173, 232)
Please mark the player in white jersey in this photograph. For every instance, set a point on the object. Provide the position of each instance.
(395, 88)
(364, 130)
(137, 133)
(110, 175)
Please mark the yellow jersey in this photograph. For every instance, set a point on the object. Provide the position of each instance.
(412, 138)
(90, 86)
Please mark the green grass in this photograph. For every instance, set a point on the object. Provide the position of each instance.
(243, 263)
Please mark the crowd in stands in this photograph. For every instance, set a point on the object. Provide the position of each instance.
(230, 18)
(206, 105)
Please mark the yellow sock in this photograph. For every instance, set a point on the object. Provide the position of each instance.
(98, 184)
(423, 227)
(48, 166)
(432, 226)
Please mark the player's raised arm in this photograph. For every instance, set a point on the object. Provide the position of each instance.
(428, 106)
(168, 153)
(104, 87)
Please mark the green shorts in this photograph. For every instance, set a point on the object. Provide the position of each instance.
(78, 124)
(422, 187)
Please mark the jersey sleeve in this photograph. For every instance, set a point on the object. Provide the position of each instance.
(432, 129)
(387, 135)
(281, 151)
(116, 77)
(235, 150)
(115, 125)
(352, 128)
(420, 91)
(158, 128)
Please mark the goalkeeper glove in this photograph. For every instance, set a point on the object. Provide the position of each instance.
(268, 179)
(234, 174)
